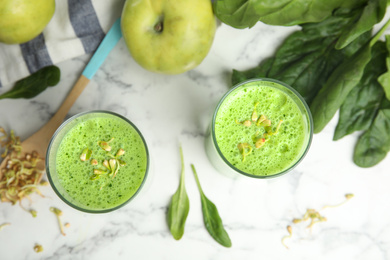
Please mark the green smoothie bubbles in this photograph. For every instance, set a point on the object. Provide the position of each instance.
(261, 128)
(97, 161)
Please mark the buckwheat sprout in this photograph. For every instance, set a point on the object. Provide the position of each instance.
(347, 196)
(289, 230)
(58, 213)
(4, 225)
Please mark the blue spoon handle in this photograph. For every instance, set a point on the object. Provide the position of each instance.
(110, 40)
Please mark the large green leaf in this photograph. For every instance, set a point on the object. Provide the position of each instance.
(373, 146)
(306, 58)
(246, 13)
(384, 79)
(302, 11)
(361, 105)
(340, 83)
(371, 14)
(342, 80)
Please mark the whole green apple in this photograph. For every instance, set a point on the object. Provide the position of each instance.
(23, 20)
(168, 36)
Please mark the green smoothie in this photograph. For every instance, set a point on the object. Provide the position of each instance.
(99, 161)
(262, 128)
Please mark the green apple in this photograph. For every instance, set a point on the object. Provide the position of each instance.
(168, 36)
(23, 20)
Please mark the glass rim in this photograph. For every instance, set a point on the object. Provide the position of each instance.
(61, 127)
(310, 121)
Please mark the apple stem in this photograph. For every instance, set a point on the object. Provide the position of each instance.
(159, 27)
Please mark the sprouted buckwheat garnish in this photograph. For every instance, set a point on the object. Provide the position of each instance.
(262, 134)
(247, 123)
(348, 196)
(254, 113)
(263, 121)
(58, 214)
(289, 230)
(314, 217)
(86, 155)
(245, 149)
(260, 142)
(106, 145)
(94, 162)
(38, 248)
(21, 176)
(10, 142)
(33, 213)
(120, 152)
(110, 166)
(44, 183)
(4, 225)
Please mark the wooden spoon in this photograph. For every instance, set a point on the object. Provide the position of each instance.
(40, 140)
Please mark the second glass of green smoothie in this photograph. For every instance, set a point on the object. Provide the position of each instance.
(261, 128)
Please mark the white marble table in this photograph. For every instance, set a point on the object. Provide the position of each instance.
(176, 109)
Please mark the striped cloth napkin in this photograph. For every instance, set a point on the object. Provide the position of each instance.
(77, 28)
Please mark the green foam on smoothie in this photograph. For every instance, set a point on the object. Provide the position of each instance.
(74, 175)
(281, 150)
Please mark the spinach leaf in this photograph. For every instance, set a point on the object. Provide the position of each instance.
(361, 105)
(34, 84)
(211, 218)
(306, 58)
(384, 79)
(246, 13)
(371, 14)
(303, 11)
(179, 206)
(374, 144)
(257, 72)
(342, 80)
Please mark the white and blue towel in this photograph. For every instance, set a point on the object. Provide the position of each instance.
(77, 28)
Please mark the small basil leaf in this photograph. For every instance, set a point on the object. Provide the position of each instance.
(179, 206)
(34, 84)
(211, 218)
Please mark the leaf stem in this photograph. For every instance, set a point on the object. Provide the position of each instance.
(182, 165)
(379, 33)
(197, 179)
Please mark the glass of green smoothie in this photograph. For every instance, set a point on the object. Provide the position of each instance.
(97, 161)
(261, 128)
